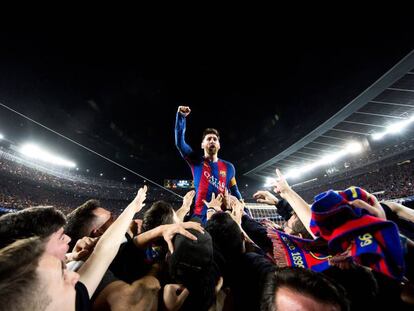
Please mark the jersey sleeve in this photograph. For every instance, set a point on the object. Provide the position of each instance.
(180, 126)
(234, 190)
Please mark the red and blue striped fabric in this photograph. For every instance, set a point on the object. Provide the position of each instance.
(370, 241)
(209, 177)
(291, 251)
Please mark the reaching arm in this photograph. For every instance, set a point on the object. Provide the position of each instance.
(105, 250)
(401, 210)
(167, 232)
(185, 208)
(301, 208)
(180, 126)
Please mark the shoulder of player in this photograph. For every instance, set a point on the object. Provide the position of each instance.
(229, 164)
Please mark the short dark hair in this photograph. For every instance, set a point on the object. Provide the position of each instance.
(226, 235)
(305, 282)
(160, 213)
(20, 286)
(192, 265)
(211, 131)
(80, 220)
(359, 282)
(33, 221)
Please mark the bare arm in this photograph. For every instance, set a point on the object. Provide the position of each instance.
(105, 250)
(167, 232)
(185, 208)
(265, 197)
(401, 210)
(301, 208)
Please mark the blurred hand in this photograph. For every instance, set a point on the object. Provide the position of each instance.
(225, 205)
(184, 110)
(265, 197)
(215, 202)
(140, 198)
(174, 296)
(169, 231)
(280, 185)
(236, 209)
(188, 199)
(83, 248)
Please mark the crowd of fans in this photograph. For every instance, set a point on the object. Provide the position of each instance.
(73, 244)
(390, 182)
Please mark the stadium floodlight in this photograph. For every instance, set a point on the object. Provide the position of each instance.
(354, 147)
(397, 127)
(124, 178)
(35, 152)
(294, 173)
(269, 181)
(394, 128)
(101, 174)
(378, 136)
(1, 136)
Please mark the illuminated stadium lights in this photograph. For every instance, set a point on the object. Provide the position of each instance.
(35, 152)
(123, 178)
(295, 173)
(101, 174)
(1, 136)
(269, 181)
(352, 147)
(393, 128)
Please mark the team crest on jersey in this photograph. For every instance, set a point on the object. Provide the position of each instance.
(222, 173)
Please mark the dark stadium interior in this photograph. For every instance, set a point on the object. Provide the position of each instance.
(309, 201)
(119, 96)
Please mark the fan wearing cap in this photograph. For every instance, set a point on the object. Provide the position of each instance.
(192, 264)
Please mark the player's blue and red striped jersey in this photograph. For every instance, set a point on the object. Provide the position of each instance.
(209, 177)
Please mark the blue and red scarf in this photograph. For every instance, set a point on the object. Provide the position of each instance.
(347, 233)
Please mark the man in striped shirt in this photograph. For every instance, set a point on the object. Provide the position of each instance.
(211, 174)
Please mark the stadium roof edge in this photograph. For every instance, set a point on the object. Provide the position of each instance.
(385, 81)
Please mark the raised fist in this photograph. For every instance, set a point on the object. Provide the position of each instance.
(184, 110)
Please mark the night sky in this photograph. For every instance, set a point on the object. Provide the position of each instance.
(118, 92)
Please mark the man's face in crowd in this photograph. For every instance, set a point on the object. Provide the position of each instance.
(211, 144)
(58, 244)
(59, 282)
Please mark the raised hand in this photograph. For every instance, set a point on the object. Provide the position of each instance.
(140, 198)
(236, 209)
(215, 202)
(280, 185)
(169, 231)
(185, 207)
(184, 110)
(265, 197)
(83, 248)
(188, 199)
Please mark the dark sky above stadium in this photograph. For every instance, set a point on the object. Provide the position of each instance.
(117, 91)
